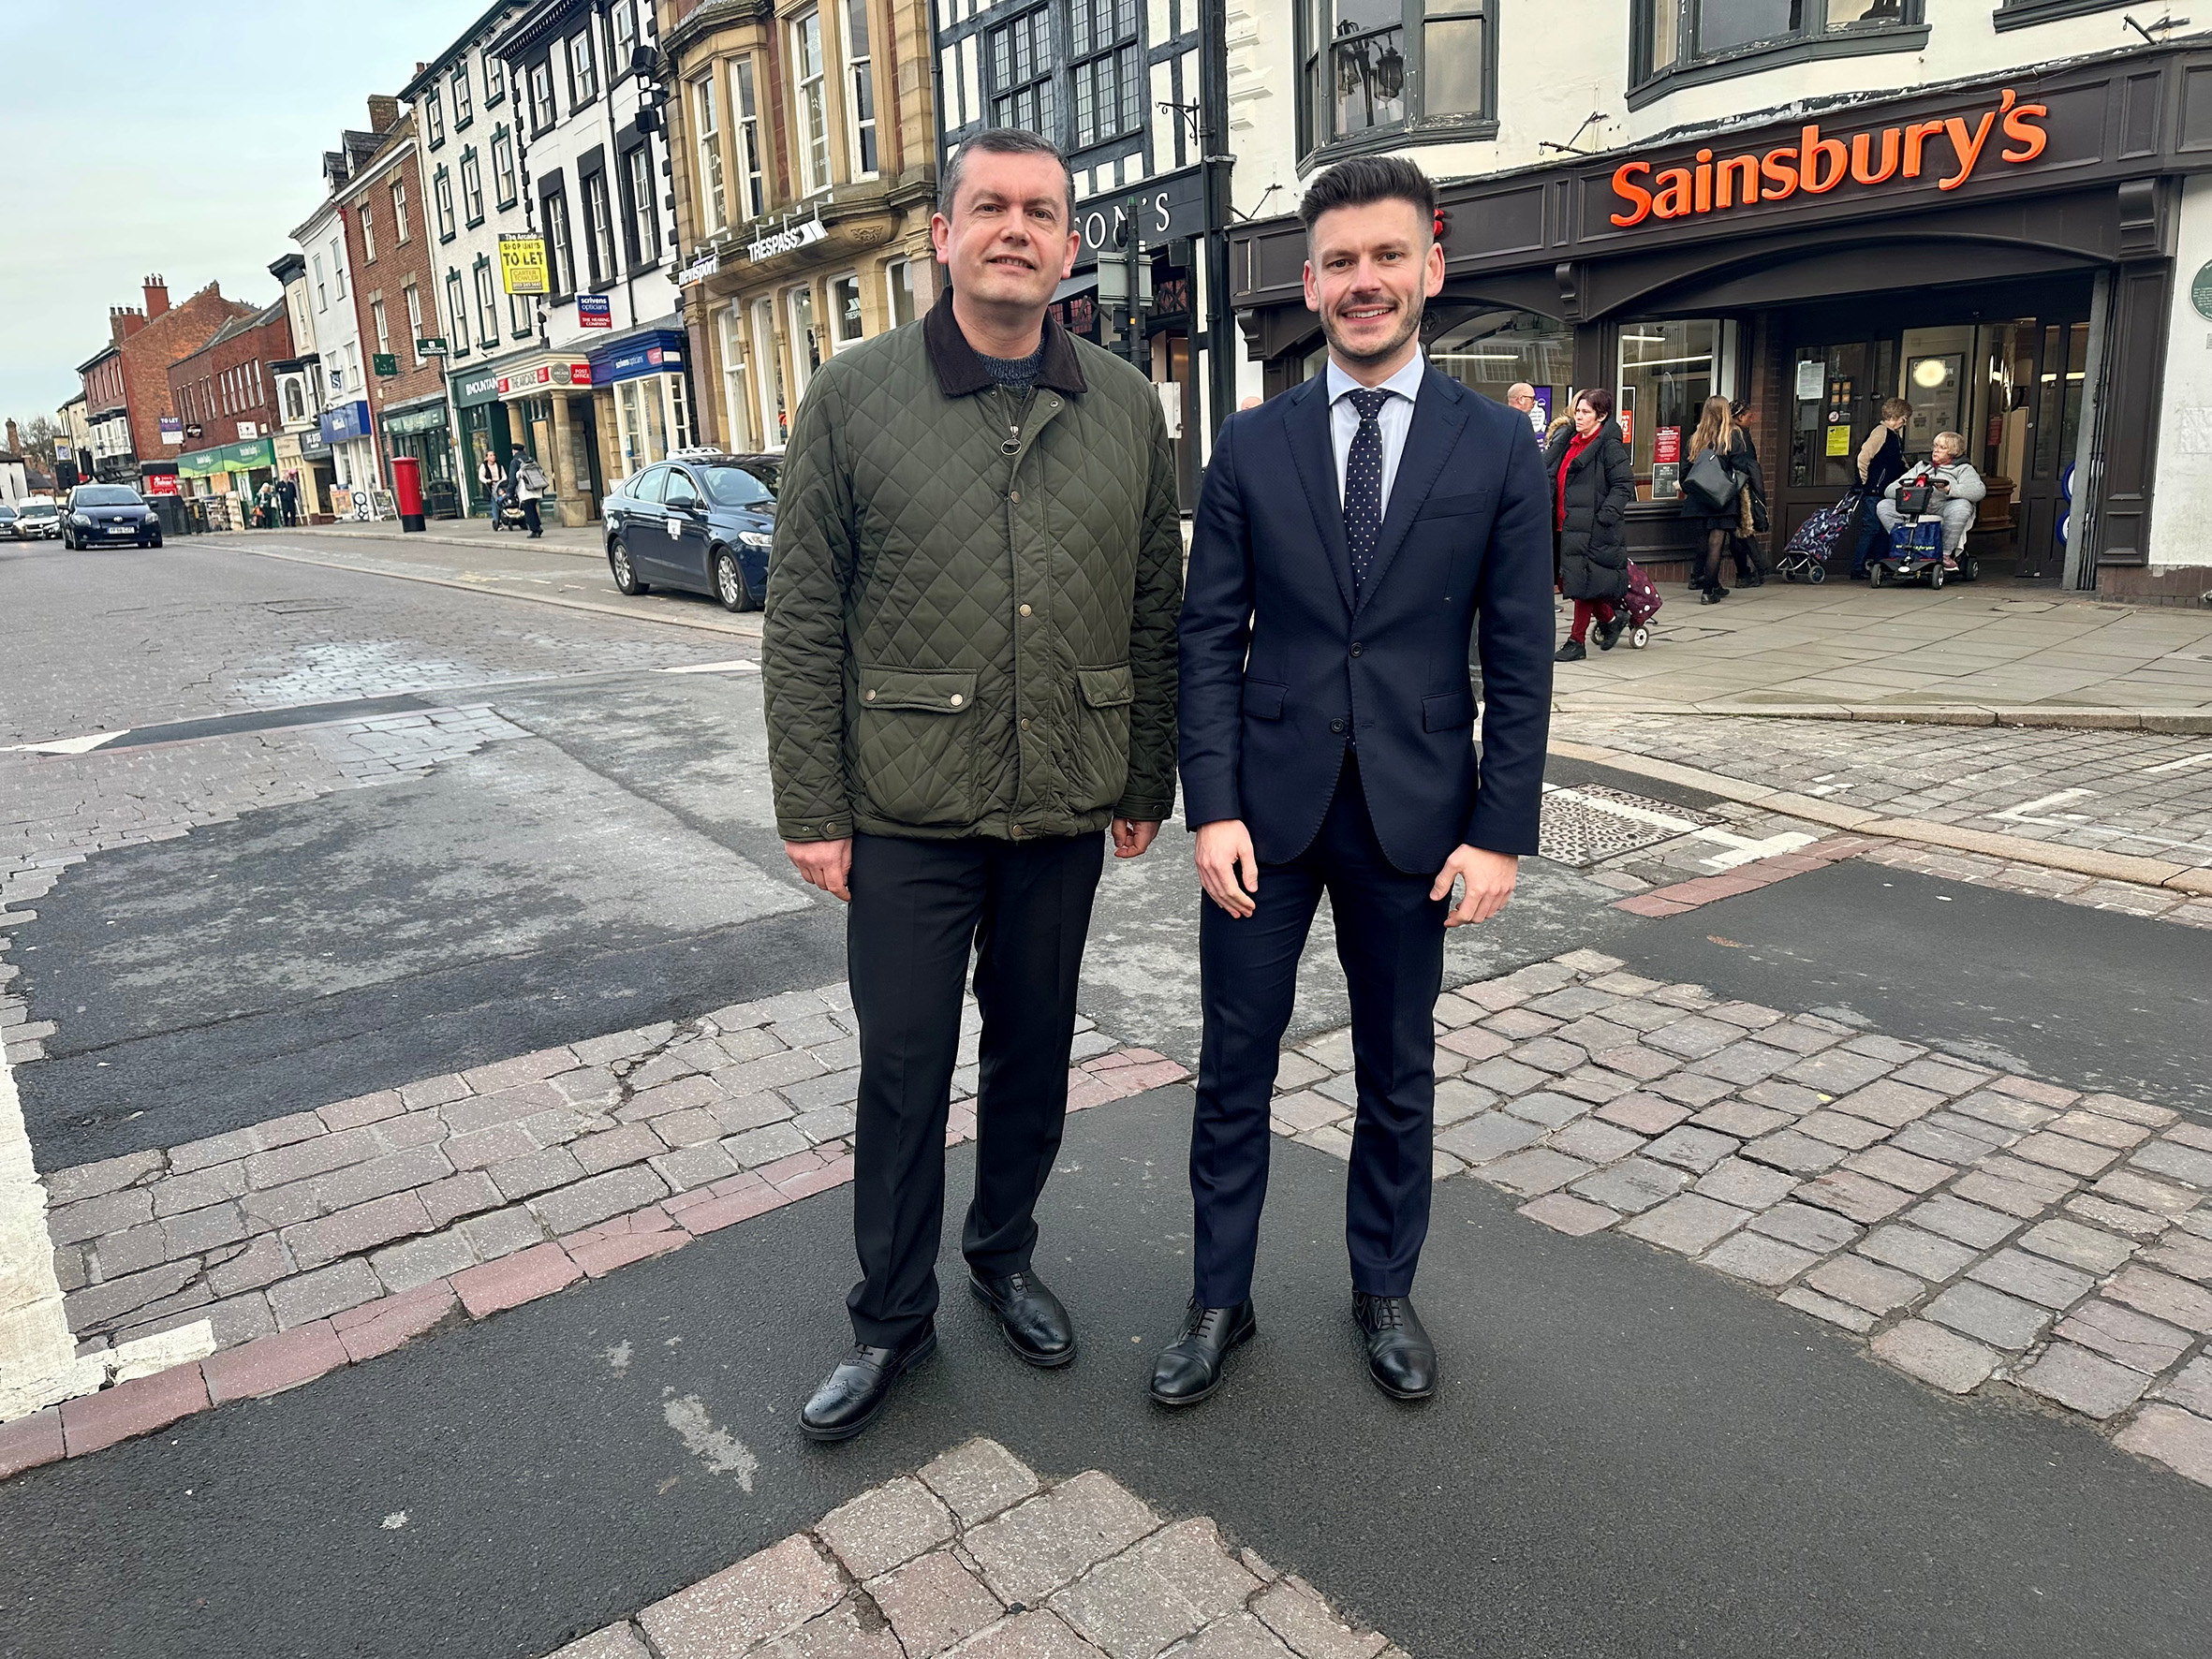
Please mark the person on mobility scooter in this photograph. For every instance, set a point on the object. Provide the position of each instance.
(1928, 513)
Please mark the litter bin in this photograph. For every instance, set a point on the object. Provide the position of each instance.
(169, 511)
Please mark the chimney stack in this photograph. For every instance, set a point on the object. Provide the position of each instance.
(383, 112)
(15, 444)
(157, 297)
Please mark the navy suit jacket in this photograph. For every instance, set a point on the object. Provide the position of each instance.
(1281, 667)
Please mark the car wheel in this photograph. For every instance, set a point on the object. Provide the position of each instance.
(626, 578)
(730, 586)
(154, 543)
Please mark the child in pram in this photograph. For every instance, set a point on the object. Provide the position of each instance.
(1959, 491)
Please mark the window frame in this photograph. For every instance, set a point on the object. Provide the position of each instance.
(598, 229)
(1317, 146)
(457, 303)
(898, 278)
(1812, 41)
(487, 302)
(864, 151)
(541, 98)
(835, 338)
(626, 40)
(1116, 53)
(414, 298)
(744, 109)
(1004, 100)
(367, 219)
(402, 230)
(464, 103)
(381, 326)
(338, 263)
(810, 116)
(472, 188)
(434, 118)
(640, 210)
(706, 126)
(560, 247)
(584, 69)
(494, 80)
(506, 183)
(441, 196)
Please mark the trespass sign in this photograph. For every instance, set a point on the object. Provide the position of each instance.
(1947, 151)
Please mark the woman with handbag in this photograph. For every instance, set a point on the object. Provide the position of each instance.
(1592, 483)
(1711, 491)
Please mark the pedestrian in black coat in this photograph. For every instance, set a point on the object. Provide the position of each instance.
(1592, 482)
(1719, 435)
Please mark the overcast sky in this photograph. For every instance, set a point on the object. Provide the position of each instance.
(144, 136)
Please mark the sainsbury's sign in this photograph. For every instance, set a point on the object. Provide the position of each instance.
(1949, 149)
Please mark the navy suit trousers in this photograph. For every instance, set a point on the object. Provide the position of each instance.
(1390, 937)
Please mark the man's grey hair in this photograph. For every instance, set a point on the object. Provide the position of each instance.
(1001, 140)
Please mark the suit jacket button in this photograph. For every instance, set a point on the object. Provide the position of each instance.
(1336, 726)
(1357, 648)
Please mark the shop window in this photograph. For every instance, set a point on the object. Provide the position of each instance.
(472, 188)
(1377, 68)
(434, 119)
(810, 102)
(487, 304)
(463, 108)
(706, 122)
(769, 384)
(1021, 58)
(1666, 372)
(584, 69)
(503, 173)
(899, 277)
(441, 190)
(751, 179)
(1686, 42)
(679, 412)
(644, 220)
(737, 398)
(844, 309)
(860, 91)
(457, 309)
(1493, 351)
(806, 345)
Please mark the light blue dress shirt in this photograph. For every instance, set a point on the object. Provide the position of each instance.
(1395, 420)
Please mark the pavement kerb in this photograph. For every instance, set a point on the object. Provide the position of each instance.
(547, 543)
(706, 624)
(2019, 849)
(2176, 721)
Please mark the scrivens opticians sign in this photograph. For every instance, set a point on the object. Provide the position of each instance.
(1944, 153)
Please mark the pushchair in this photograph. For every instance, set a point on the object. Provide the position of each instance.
(506, 512)
(1642, 603)
(1813, 543)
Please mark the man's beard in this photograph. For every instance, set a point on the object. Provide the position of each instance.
(1409, 325)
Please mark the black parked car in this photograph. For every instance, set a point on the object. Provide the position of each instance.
(7, 522)
(700, 520)
(109, 515)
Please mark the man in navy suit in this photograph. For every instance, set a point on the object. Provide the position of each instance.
(1353, 536)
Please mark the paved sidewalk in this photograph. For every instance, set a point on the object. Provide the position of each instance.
(974, 1557)
(1844, 651)
(583, 539)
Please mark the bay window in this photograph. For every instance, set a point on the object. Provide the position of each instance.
(1374, 67)
(1684, 42)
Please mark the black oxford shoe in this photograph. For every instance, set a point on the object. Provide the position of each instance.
(854, 1395)
(1400, 1356)
(1189, 1368)
(1031, 1319)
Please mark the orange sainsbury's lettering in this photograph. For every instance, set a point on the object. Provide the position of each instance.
(1817, 165)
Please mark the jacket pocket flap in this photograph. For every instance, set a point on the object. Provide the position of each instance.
(1107, 688)
(1264, 701)
(1448, 507)
(935, 691)
(1445, 710)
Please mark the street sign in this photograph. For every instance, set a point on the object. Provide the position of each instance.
(431, 345)
(521, 262)
(383, 364)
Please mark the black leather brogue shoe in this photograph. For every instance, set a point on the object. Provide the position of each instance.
(1189, 1368)
(1031, 1319)
(1400, 1356)
(853, 1395)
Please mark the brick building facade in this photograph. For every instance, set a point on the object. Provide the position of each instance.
(228, 387)
(392, 235)
(142, 343)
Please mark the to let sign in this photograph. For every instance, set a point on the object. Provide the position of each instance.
(521, 262)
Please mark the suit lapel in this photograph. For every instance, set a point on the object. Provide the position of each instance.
(1310, 446)
(1438, 414)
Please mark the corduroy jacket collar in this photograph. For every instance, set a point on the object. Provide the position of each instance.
(959, 366)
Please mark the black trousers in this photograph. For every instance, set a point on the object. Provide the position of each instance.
(1390, 937)
(530, 515)
(917, 908)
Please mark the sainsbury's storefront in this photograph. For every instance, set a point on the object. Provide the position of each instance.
(2015, 259)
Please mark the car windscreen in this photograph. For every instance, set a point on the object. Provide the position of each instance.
(106, 495)
(732, 486)
(40, 509)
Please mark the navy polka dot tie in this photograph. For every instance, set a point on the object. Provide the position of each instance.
(1363, 484)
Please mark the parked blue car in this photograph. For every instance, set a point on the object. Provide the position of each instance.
(701, 520)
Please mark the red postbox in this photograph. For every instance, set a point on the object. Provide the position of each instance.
(407, 491)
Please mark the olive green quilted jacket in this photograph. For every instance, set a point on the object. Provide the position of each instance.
(971, 605)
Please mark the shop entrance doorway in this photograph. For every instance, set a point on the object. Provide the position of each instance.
(2003, 366)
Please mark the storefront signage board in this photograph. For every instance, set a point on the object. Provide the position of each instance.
(472, 390)
(1167, 207)
(789, 240)
(521, 262)
(384, 364)
(594, 310)
(346, 420)
(527, 381)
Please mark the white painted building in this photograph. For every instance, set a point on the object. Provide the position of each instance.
(343, 420)
(1608, 223)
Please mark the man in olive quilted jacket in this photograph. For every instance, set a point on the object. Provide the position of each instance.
(969, 667)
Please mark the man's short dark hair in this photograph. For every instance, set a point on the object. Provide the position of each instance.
(1001, 140)
(1366, 179)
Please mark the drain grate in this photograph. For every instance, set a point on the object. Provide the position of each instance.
(1590, 823)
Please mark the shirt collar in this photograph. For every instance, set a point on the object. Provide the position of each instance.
(1406, 382)
(960, 369)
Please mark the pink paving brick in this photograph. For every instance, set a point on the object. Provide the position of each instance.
(1094, 1091)
(393, 1321)
(513, 1280)
(28, 1442)
(784, 1168)
(817, 1181)
(1143, 1056)
(1650, 905)
(682, 1201)
(1107, 1061)
(1157, 1074)
(598, 1257)
(718, 1213)
(272, 1364)
(130, 1409)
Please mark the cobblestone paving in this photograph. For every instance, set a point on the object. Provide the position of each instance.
(975, 1557)
(1980, 1231)
(2114, 791)
(57, 811)
(272, 1227)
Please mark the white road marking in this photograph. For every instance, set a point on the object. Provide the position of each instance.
(2182, 764)
(1620, 809)
(2026, 811)
(70, 745)
(739, 666)
(38, 1363)
(1744, 850)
